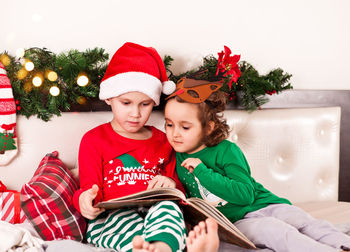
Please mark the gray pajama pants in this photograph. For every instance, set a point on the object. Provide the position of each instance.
(116, 229)
(282, 228)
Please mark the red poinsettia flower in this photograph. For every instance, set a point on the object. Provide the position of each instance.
(220, 60)
(227, 64)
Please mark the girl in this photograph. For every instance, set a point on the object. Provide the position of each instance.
(215, 169)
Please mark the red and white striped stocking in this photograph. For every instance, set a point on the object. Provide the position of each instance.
(8, 139)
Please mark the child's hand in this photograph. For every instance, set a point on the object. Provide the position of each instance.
(191, 163)
(161, 181)
(85, 203)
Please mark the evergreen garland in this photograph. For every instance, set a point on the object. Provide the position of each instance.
(249, 91)
(251, 88)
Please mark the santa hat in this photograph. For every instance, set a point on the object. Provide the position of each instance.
(136, 68)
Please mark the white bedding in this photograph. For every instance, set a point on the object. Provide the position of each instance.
(17, 238)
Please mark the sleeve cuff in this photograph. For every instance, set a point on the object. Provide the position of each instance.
(76, 199)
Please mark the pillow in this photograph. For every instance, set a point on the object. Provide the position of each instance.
(47, 201)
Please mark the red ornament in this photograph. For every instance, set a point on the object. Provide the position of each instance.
(17, 102)
(18, 107)
(232, 96)
(271, 92)
(228, 65)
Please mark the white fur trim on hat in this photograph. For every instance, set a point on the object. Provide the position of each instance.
(130, 82)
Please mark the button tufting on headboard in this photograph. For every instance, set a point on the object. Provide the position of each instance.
(293, 152)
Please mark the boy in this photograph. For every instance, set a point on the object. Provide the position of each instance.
(125, 156)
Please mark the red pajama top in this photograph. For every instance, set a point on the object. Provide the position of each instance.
(120, 165)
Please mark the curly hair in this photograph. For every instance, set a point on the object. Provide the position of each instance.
(211, 110)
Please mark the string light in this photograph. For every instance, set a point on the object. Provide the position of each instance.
(29, 66)
(20, 52)
(5, 59)
(22, 73)
(52, 76)
(82, 80)
(28, 86)
(81, 100)
(37, 81)
(54, 91)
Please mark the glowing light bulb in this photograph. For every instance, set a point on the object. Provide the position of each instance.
(52, 76)
(5, 59)
(28, 86)
(81, 100)
(21, 74)
(37, 81)
(20, 52)
(83, 80)
(54, 91)
(29, 66)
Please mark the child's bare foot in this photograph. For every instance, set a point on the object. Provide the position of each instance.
(204, 237)
(140, 245)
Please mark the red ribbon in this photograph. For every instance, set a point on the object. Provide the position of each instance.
(2, 187)
(17, 207)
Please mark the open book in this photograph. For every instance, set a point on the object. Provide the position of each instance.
(194, 209)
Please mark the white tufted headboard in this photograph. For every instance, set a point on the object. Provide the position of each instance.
(292, 152)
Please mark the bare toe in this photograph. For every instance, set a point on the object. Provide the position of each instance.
(203, 237)
(137, 242)
(140, 245)
(192, 234)
(212, 226)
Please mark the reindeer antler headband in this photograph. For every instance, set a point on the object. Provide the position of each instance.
(195, 91)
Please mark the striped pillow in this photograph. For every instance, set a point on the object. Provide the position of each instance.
(47, 201)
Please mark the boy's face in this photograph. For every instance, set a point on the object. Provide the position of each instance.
(183, 128)
(131, 111)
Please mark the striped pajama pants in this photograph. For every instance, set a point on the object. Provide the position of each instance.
(116, 229)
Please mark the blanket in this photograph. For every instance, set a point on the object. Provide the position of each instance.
(18, 239)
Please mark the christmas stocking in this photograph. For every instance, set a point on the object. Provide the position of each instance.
(8, 139)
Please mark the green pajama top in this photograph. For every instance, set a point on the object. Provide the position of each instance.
(225, 174)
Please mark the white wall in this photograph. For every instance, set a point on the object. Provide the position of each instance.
(308, 38)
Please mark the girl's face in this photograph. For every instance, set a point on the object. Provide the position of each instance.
(183, 128)
(131, 111)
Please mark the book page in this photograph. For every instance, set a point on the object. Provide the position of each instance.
(143, 198)
(202, 204)
(198, 210)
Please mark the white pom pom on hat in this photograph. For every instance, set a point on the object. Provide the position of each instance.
(168, 87)
(136, 68)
